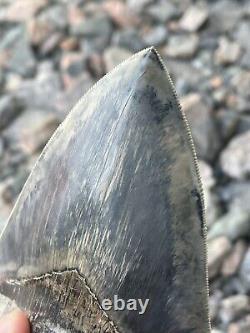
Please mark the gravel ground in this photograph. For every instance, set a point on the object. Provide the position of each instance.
(51, 52)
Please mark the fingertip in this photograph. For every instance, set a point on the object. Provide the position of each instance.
(15, 322)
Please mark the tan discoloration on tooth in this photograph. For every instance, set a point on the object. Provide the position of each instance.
(70, 291)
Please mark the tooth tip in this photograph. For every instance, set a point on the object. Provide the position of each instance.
(152, 54)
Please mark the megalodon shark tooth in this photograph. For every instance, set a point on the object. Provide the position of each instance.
(113, 209)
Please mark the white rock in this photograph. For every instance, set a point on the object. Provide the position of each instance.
(193, 18)
(218, 248)
(235, 159)
(234, 306)
(208, 181)
(228, 52)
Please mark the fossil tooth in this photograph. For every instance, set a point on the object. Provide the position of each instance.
(113, 206)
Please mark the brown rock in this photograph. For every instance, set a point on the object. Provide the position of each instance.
(193, 18)
(72, 66)
(120, 14)
(21, 10)
(96, 65)
(216, 82)
(232, 263)
(75, 15)
(69, 44)
(38, 31)
(218, 248)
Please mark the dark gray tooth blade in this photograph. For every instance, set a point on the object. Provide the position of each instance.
(113, 207)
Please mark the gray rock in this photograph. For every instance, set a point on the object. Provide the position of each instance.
(72, 65)
(224, 16)
(228, 122)
(194, 18)
(5, 208)
(98, 25)
(202, 126)
(214, 301)
(41, 91)
(185, 75)
(234, 306)
(51, 43)
(1, 147)
(31, 131)
(243, 123)
(245, 270)
(129, 39)
(2, 79)
(94, 32)
(241, 82)
(65, 100)
(163, 12)
(235, 158)
(241, 34)
(114, 56)
(138, 5)
(95, 65)
(156, 36)
(234, 224)
(45, 31)
(182, 46)
(218, 248)
(56, 16)
(237, 194)
(13, 186)
(10, 107)
(19, 57)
